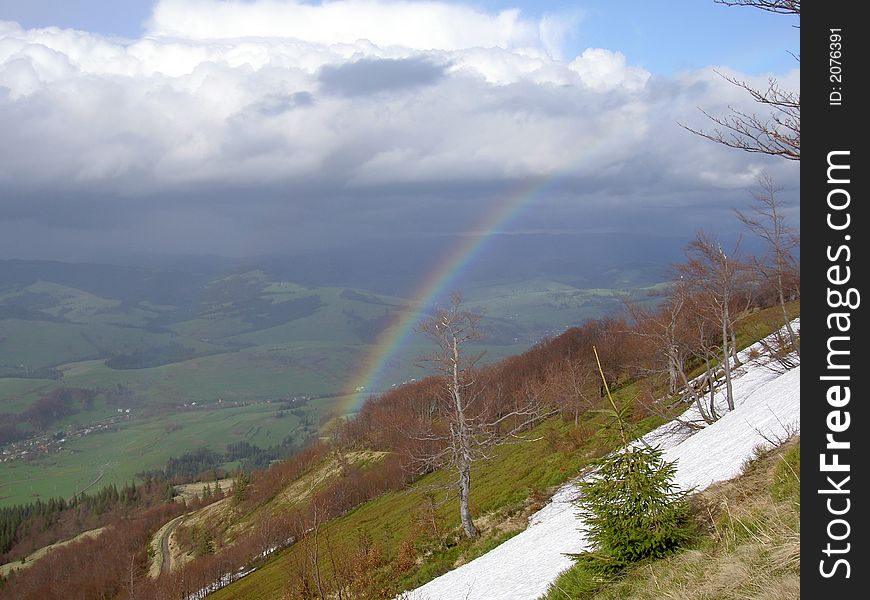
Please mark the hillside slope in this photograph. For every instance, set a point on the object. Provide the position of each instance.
(767, 409)
(224, 523)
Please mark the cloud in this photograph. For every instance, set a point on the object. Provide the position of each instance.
(273, 105)
(262, 117)
(601, 69)
(384, 23)
(370, 76)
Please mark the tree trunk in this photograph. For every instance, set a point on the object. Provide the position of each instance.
(132, 588)
(711, 385)
(464, 460)
(791, 335)
(315, 559)
(726, 357)
(673, 367)
(464, 493)
(734, 348)
(696, 397)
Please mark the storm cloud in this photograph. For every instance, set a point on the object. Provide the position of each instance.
(370, 76)
(270, 125)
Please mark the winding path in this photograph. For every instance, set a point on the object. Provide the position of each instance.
(163, 561)
(166, 562)
(91, 484)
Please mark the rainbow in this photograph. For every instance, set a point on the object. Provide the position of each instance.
(433, 286)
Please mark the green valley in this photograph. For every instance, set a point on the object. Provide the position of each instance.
(131, 366)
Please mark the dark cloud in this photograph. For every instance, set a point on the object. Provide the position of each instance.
(273, 105)
(370, 76)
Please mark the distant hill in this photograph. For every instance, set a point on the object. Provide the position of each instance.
(147, 343)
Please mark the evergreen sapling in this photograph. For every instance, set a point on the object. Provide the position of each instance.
(632, 508)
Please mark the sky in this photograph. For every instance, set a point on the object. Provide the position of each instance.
(267, 126)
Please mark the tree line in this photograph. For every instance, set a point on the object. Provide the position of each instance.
(27, 527)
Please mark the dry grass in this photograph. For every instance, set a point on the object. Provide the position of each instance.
(222, 518)
(752, 547)
(37, 554)
(301, 489)
(498, 525)
(189, 491)
(749, 547)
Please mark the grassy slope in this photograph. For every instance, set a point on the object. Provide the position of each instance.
(293, 367)
(507, 486)
(504, 495)
(748, 544)
(222, 518)
(551, 305)
(511, 484)
(41, 552)
(38, 344)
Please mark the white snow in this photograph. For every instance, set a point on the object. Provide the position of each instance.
(224, 581)
(767, 411)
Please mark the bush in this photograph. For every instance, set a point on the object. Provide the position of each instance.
(632, 509)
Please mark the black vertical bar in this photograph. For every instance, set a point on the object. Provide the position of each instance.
(834, 228)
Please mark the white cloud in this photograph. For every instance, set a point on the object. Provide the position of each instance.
(346, 97)
(417, 25)
(602, 69)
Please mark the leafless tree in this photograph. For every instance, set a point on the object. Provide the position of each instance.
(132, 588)
(716, 277)
(778, 131)
(706, 350)
(677, 333)
(661, 330)
(464, 427)
(578, 384)
(304, 569)
(766, 220)
(782, 7)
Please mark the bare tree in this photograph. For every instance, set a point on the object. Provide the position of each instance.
(661, 329)
(577, 383)
(464, 427)
(132, 588)
(778, 132)
(304, 567)
(767, 221)
(716, 277)
(311, 546)
(782, 7)
(675, 334)
(706, 350)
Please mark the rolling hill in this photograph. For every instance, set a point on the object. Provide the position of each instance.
(173, 360)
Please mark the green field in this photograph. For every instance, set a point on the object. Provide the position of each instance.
(139, 444)
(153, 341)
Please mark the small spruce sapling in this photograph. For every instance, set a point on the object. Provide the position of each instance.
(631, 506)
